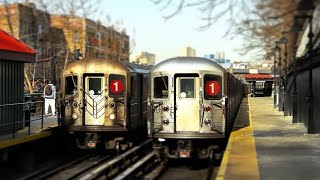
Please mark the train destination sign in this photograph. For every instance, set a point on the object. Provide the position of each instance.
(116, 86)
(212, 88)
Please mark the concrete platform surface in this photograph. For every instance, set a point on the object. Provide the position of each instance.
(23, 135)
(282, 150)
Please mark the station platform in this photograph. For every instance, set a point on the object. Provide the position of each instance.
(36, 132)
(265, 144)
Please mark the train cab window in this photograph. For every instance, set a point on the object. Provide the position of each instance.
(71, 85)
(160, 87)
(187, 88)
(212, 87)
(95, 86)
(117, 85)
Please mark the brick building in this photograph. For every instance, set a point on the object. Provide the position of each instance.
(60, 39)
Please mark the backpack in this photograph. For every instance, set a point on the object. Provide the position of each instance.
(48, 90)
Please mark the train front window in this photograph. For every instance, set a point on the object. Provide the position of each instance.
(94, 86)
(160, 87)
(212, 87)
(187, 88)
(71, 85)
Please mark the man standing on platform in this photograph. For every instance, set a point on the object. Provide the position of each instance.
(49, 94)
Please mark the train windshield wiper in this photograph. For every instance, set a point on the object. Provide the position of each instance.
(164, 82)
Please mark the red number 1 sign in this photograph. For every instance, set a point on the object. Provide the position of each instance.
(212, 88)
(116, 86)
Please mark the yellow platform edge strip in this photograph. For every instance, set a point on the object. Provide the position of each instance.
(20, 140)
(225, 160)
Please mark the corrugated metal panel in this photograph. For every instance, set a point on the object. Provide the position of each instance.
(302, 93)
(11, 91)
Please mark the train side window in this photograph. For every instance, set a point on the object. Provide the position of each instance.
(95, 86)
(212, 87)
(187, 88)
(160, 86)
(117, 85)
(71, 85)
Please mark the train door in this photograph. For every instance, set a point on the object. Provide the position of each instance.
(187, 103)
(94, 100)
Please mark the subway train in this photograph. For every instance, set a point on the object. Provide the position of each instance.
(104, 102)
(193, 104)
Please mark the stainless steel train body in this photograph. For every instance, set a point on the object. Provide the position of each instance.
(104, 102)
(193, 102)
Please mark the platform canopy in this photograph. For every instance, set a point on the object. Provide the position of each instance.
(13, 49)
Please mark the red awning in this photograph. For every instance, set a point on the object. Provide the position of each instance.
(13, 49)
(258, 76)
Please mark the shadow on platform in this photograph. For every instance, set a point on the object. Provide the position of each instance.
(243, 116)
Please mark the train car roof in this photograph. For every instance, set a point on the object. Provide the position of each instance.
(138, 68)
(188, 63)
(93, 65)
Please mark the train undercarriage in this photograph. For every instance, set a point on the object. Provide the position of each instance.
(189, 148)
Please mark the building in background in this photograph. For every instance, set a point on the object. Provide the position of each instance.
(145, 58)
(241, 65)
(32, 26)
(60, 39)
(219, 58)
(189, 52)
(92, 39)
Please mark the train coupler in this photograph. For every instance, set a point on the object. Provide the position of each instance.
(91, 140)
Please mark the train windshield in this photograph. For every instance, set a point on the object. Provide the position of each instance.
(71, 85)
(95, 86)
(212, 87)
(160, 87)
(187, 88)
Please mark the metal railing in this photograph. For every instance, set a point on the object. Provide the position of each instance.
(27, 117)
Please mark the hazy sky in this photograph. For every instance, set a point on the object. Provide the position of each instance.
(166, 39)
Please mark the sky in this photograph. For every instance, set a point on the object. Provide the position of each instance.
(166, 39)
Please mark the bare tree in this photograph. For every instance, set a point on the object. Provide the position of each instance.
(259, 22)
(211, 10)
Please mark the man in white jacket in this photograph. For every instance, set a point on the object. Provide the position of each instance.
(49, 95)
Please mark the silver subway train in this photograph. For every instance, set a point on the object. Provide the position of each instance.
(104, 102)
(194, 102)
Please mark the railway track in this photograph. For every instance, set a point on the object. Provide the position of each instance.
(95, 166)
(138, 162)
(184, 169)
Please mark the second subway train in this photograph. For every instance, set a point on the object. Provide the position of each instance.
(192, 104)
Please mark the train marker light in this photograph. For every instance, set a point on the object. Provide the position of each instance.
(75, 104)
(165, 121)
(112, 116)
(165, 108)
(112, 104)
(207, 108)
(207, 121)
(161, 140)
(75, 116)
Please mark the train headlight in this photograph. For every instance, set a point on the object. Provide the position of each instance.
(75, 116)
(207, 121)
(165, 121)
(165, 108)
(75, 104)
(112, 116)
(112, 104)
(207, 108)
